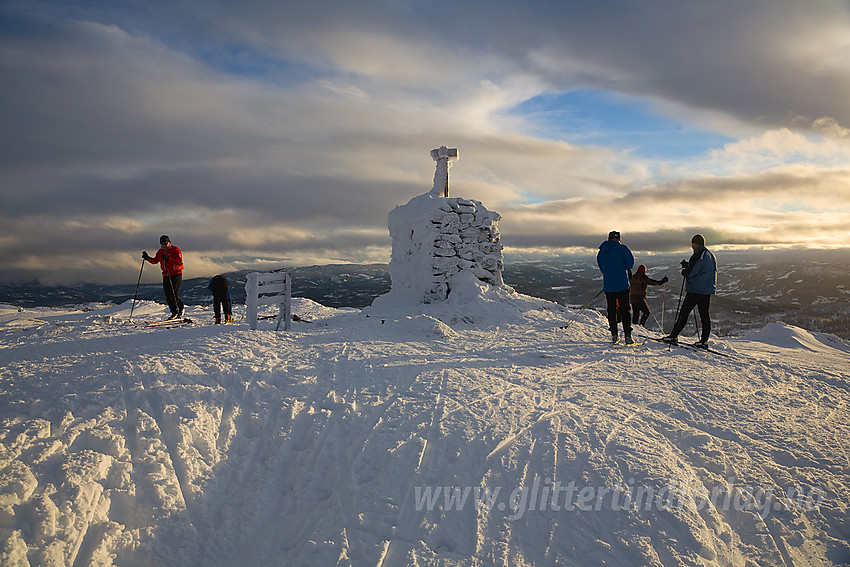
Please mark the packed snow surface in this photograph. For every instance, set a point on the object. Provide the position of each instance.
(467, 432)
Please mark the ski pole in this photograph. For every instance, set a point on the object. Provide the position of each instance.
(697, 325)
(678, 307)
(660, 325)
(135, 293)
(654, 316)
(170, 282)
(585, 306)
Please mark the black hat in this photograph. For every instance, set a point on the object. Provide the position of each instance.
(614, 234)
(164, 238)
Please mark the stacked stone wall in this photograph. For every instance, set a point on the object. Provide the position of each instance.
(468, 239)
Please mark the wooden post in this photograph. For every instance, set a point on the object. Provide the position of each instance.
(252, 298)
(444, 157)
(286, 306)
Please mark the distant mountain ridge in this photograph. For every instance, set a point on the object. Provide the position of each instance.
(335, 285)
(804, 288)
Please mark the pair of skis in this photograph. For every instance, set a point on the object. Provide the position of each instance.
(620, 343)
(704, 348)
(167, 323)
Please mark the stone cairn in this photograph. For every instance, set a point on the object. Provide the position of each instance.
(468, 239)
(436, 237)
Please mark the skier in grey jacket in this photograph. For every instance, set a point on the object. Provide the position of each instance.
(700, 274)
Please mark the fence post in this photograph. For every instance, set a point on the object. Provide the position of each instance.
(251, 299)
(286, 308)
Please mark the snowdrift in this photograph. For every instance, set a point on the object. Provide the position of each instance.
(468, 432)
(790, 337)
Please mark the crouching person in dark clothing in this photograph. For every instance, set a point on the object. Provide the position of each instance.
(220, 288)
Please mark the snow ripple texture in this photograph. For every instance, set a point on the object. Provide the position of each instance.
(218, 445)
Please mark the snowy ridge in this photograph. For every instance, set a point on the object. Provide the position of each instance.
(788, 336)
(466, 432)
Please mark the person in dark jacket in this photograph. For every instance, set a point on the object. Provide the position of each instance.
(637, 294)
(616, 262)
(700, 274)
(220, 288)
(170, 259)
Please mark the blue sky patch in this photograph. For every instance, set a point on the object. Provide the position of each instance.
(595, 117)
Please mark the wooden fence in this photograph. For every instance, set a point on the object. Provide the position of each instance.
(272, 288)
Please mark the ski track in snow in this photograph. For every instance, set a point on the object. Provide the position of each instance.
(218, 445)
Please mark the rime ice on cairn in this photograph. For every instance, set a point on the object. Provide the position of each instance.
(439, 240)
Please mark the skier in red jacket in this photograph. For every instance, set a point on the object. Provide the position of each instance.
(637, 294)
(170, 259)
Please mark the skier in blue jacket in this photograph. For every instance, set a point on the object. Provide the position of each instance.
(616, 262)
(700, 274)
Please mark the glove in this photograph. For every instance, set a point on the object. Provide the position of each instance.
(665, 279)
(145, 255)
(684, 264)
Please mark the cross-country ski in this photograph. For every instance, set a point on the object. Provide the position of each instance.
(176, 322)
(623, 344)
(690, 346)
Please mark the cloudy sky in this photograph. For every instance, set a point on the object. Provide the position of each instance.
(271, 133)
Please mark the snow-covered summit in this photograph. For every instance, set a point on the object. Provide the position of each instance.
(471, 431)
